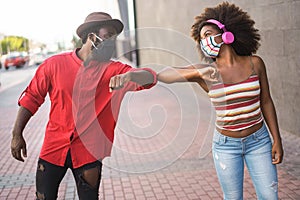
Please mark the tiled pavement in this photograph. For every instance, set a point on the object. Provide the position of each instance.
(162, 151)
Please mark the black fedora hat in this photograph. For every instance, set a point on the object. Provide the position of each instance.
(97, 19)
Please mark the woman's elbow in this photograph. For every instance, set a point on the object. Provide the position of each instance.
(266, 102)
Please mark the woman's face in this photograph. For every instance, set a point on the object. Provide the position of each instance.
(209, 30)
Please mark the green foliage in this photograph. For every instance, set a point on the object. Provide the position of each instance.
(14, 43)
(76, 42)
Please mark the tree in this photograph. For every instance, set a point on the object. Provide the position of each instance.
(76, 42)
(14, 43)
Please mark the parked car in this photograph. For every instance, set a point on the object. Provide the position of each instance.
(37, 58)
(16, 59)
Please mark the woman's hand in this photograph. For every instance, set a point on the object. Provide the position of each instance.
(277, 152)
(208, 74)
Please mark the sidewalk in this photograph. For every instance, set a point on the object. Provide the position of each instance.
(162, 151)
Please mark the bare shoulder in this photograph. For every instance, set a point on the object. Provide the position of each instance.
(259, 65)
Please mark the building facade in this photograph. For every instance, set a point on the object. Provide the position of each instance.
(163, 39)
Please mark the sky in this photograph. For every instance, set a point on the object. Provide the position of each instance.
(52, 21)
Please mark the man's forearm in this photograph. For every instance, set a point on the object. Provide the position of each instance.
(22, 119)
(142, 77)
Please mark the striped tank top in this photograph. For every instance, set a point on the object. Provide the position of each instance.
(237, 105)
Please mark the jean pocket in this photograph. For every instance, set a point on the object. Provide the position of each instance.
(263, 134)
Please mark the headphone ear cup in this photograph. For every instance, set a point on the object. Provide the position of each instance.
(227, 37)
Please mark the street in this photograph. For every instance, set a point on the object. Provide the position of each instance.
(13, 76)
(161, 149)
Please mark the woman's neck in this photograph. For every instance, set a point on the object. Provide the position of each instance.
(227, 57)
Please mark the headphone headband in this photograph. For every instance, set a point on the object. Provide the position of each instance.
(219, 24)
(227, 36)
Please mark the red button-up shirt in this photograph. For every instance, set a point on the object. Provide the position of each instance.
(83, 112)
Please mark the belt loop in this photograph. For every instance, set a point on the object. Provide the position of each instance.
(224, 139)
(254, 136)
(217, 136)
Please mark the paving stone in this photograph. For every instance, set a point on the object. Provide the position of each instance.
(190, 175)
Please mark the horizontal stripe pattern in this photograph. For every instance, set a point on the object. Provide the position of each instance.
(237, 105)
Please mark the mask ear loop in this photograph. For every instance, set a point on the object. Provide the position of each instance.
(97, 38)
(94, 45)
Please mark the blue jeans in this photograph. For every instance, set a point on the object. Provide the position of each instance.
(255, 151)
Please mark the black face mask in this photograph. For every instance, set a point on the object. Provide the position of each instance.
(104, 51)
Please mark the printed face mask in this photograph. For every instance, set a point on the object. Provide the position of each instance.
(209, 46)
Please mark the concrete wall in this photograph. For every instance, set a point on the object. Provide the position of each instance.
(164, 39)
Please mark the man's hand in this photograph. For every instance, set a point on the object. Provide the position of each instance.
(118, 81)
(18, 145)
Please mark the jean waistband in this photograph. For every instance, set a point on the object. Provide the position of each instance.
(219, 136)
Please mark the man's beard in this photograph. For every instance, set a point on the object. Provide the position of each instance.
(104, 52)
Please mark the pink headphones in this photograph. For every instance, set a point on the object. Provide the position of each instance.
(227, 36)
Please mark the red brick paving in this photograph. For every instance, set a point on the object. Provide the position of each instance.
(157, 164)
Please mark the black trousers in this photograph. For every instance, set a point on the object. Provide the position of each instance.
(49, 176)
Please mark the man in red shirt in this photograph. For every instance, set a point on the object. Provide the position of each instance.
(85, 88)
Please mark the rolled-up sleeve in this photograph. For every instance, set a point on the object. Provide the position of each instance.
(34, 94)
(153, 74)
